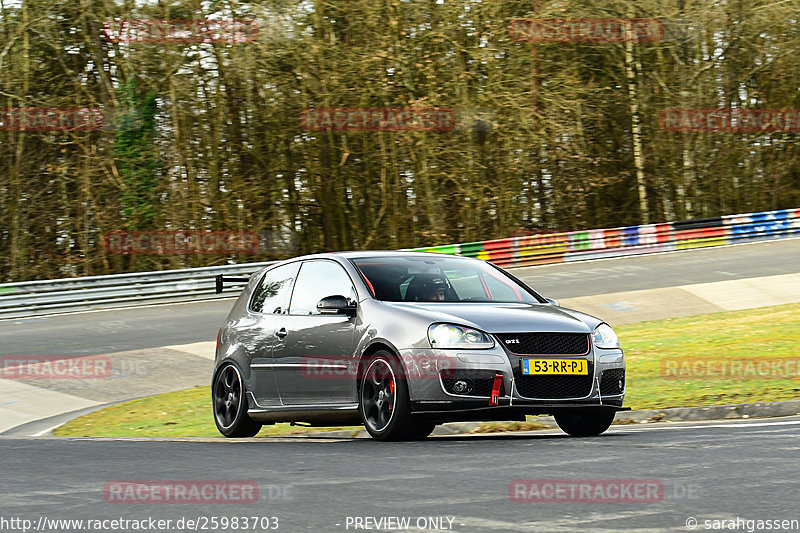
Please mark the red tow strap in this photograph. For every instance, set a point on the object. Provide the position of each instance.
(498, 382)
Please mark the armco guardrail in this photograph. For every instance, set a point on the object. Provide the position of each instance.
(31, 298)
(631, 240)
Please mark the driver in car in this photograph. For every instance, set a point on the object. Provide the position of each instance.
(434, 290)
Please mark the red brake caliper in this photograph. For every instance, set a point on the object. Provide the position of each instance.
(498, 382)
(391, 391)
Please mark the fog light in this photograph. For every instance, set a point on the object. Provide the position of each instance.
(620, 385)
(462, 387)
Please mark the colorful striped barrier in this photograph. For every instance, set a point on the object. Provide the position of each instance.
(31, 298)
(581, 245)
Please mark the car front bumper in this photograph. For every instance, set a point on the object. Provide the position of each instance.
(431, 374)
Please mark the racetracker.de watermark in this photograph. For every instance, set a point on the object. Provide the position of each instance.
(414, 366)
(181, 31)
(51, 119)
(180, 242)
(180, 492)
(378, 119)
(55, 367)
(709, 367)
(586, 490)
(727, 120)
(595, 30)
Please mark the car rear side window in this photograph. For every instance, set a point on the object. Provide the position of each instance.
(272, 294)
(318, 279)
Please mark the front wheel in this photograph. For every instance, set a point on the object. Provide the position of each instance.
(230, 404)
(383, 399)
(585, 422)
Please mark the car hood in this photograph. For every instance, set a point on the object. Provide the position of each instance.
(504, 318)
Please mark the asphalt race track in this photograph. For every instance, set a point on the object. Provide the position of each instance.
(707, 471)
(164, 325)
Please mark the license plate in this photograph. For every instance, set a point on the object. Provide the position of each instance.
(568, 367)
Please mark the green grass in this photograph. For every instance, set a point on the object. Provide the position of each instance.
(185, 413)
(494, 427)
(764, 333)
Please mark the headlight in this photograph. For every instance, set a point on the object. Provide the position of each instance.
(604, 337)
(452, 336)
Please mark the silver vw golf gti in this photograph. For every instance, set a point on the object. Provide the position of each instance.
(403, 341)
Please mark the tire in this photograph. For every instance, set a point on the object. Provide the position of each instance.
(230, 404)
(383, 400)
(585, 422)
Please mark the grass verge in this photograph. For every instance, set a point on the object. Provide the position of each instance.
(185, 413)
(763, 334)
(750, 336)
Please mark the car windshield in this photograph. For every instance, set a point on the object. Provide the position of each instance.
(439, 279)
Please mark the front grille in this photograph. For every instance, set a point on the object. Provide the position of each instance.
(481, 382)
(553, 387)
(545, 343)
(610, 382)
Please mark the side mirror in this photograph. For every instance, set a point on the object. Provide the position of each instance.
(551, 301)
(220, 280)
(336, 305)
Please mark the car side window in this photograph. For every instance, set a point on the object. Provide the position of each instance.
(272, 294)
(318, 279)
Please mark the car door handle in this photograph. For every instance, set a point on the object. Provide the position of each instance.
(282, 333)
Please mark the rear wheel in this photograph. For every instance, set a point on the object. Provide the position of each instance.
(585, 422)
(230, 404)
(383, 399)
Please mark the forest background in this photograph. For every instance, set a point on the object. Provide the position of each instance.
(546, 135)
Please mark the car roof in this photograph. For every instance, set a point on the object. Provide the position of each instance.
(377, 253)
